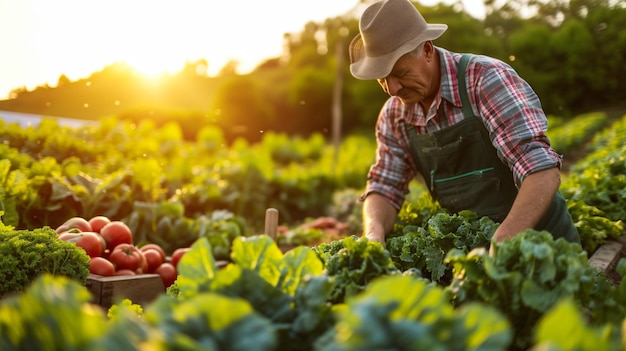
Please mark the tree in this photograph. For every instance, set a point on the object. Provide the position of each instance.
(571, 56)
(229, 69)
(311, 97)
(465, 33)
(240, 110)
(63, 80)
(198, 68)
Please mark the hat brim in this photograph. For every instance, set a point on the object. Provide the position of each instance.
(375, 67)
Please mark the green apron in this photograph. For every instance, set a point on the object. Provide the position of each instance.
(463, 171)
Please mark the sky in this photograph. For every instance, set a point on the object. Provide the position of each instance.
(40, 40)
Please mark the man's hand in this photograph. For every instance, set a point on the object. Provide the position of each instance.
(499, 236)
(376, 237)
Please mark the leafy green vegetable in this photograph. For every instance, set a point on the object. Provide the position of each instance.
(564, 328)
(53, 313)
(116, 309)
(26, 254)
(354, 263)
(402, 313)
(416, 212)
(425, 247)
(525, 278)
(13, 187)
(196, 269)
(594, 227)
(166, 225)
(595, 187)
(286, 289)
(208, 321)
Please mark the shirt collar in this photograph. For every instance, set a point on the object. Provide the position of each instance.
(449, 88)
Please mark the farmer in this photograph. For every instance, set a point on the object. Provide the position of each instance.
(468, 124)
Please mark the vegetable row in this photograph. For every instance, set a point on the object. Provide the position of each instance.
(345, 295)
(171, 192)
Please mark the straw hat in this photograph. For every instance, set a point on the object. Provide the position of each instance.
(388, 29)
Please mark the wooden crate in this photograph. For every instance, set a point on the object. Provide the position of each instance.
(140, 289)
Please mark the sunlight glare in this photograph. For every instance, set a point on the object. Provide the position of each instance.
(76, 38)
(154, 69)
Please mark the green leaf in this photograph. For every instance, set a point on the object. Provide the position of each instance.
(404, 313)
(260, 254)
(51, 314)
(208, 321)
(147, 174)
(298, 264)
(313, 312)
(10, 216)
(415, 299)
(196, 268)
(537, 297)
(269, 300)
(621, 267)
(485, 328)
(563, 327)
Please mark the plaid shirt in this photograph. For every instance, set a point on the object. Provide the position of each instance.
(509, 108)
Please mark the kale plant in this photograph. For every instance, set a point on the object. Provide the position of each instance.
(354, 263)
(526, 277)
(27, 254)
(425, 247)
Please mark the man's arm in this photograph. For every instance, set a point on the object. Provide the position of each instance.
(531, 203)
(379, 217)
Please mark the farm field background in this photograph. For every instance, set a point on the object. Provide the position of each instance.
(167, 188)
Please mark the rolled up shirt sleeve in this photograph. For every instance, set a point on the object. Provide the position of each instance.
(516, 121)
(393, 169)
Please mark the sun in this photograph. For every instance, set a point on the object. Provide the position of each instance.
(155, 69)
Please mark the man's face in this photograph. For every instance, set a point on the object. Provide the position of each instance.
(410, 79)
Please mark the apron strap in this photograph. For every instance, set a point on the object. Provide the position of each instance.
(460, 77)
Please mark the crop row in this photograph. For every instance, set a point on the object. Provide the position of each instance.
(168, 190)
(344, 295)
(595, 187)
(51, 173)
(566, 135)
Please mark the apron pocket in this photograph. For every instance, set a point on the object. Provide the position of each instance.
(478, 191)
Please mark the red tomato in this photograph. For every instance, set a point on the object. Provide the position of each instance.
(177, 254)
(75, 222)
(101, 266)
(125, 272)
(91, 242)
(155, 247)
(116, 233)
(98, 222)
(168, 273)
(127, 256)
(153, 259)
(143, 268)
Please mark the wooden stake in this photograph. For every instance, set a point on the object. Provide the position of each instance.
(271, 222)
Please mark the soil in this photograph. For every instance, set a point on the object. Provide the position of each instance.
(572, 156)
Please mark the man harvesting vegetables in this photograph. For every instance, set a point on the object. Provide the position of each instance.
(468, 124)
